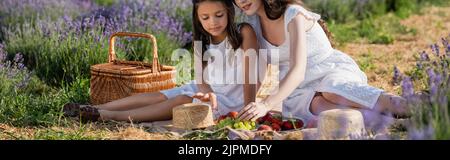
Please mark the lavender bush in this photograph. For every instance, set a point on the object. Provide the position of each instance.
(62, 49)
(430, 106)
(14, 76)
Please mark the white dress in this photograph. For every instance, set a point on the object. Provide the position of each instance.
(228, 91)
(328, 70)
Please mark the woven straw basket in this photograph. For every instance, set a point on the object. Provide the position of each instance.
(192, 116)
(118, 79)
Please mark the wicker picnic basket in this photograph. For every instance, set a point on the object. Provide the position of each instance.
(118, 79)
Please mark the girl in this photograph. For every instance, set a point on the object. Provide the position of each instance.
(213, 25)
(314, 76)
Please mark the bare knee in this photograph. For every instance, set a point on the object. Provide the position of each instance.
(333, 98)
(155, 95)
(318, 105)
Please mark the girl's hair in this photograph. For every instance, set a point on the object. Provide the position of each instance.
(276, 8)
(200, 34)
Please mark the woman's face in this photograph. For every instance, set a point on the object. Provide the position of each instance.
(213, 17)
(249, 7)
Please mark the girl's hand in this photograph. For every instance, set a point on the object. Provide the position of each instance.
(253, 111)
(208, 97)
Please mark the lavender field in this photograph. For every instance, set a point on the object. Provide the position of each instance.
(48, 46)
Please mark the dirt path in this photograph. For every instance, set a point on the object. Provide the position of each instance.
(431, 26)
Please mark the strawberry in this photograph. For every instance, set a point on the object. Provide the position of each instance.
(260, 120)
(276, 121)
(233, 115)
(222, 117)
(287, 125)
(298, 124)
(264, 128)
(276, 127)
(265, 117)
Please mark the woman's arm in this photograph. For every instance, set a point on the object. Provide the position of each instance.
(249, 42)
(296, 74)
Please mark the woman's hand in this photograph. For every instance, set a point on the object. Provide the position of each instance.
(208, 97)
(253, 111)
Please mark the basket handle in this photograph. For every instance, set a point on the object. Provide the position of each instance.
(112, 53)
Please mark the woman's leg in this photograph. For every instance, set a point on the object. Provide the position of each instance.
(386, 103)
(153, 112)
(133, 102)
(372, 119)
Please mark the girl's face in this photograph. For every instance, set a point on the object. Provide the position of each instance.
(213, 17)
(249, 7)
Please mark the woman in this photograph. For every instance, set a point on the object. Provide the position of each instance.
(314, 77)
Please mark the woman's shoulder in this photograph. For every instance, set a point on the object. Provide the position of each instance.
(295, 10)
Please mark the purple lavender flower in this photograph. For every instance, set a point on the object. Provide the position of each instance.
(407, 87)
(397, 74)
(424, 56)
(446, 45)
(18, 58)
(435, 49)
(2, 57)
(421, 134)
(2, 54)
(419, 65)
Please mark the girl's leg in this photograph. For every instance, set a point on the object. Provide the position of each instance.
(386, 103)
(372, 119)
(133, 102)
(154, 112)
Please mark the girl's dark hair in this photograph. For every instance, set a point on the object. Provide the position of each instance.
(200, 34)
(276, 8)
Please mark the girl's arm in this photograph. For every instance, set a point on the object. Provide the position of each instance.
(205, 92)
(296, 74)
(249, 42)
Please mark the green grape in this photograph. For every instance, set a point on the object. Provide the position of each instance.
(241, 125)
(236, 125)
(248, 126)
(253, 124)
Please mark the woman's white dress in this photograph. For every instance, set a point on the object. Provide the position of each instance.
(328, 70)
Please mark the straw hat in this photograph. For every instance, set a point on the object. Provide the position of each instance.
(192, 116)
(340, 124)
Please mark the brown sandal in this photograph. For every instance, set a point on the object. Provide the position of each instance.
(89, 114)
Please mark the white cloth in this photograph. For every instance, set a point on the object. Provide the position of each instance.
(328, 70)
(228, 90)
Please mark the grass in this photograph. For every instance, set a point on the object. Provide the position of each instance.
(366, 62)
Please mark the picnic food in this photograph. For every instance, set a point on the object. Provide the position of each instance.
(292, 124)
(269, 84)
(233, 114)
(232, 121)
(264, 128)
(275, 121)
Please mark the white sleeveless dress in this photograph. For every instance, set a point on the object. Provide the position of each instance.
(229, 94)
(328, 70)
